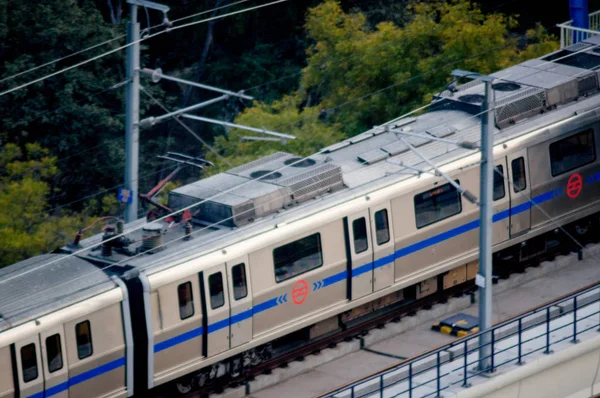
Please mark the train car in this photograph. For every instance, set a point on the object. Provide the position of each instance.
(284, 250)
(65, 331)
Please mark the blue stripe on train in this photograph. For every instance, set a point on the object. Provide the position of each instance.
(177, 339)
(80, 378)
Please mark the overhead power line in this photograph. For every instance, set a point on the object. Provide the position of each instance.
(133, 43)
(114, 39)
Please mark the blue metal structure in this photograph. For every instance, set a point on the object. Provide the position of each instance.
(454, 365)
(578, 10)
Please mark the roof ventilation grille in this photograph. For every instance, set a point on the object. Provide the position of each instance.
(254, 190)
(519, 106)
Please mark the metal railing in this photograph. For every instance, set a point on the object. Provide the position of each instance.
(570, 35)
(453, 366)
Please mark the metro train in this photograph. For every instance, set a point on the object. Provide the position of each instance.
(285, 250)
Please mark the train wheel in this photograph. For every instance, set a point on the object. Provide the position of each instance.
(183, 386)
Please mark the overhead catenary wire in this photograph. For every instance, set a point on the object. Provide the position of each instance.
(38, 80)
(113, 40)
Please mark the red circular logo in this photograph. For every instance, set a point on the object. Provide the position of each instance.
(300, 292)
(574, 186)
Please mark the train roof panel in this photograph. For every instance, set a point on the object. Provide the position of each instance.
(41, 284)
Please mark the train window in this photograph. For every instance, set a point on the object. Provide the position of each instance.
(359, 228)
(83, 334)
(437, 204)
(215, 287)
(499, 183)
(572, 152)
(297, 257)
(29, 362)
(238, 275)
(382, 227)
(518, 171)
(54, 353)
(186, 300)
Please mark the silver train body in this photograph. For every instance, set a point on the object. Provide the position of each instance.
(359, 226)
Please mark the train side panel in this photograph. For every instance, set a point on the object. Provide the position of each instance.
(565, 174)
(7, 389)
(289, 285)
(434, 224)
(96, 354)
(178, 324)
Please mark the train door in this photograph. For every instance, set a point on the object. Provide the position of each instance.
(216, 309)
(382, 238)
(501, 219)
(519, 188)
(361, 254)
(29, 367)
(56, 372)
(240, 297)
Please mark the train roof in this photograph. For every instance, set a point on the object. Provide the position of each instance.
(29, 291)
(531, 95)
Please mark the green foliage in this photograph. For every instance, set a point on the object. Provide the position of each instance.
(349, 60)
(26, 229)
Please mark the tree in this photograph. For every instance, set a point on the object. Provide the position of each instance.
(409, 63)
(26, 229)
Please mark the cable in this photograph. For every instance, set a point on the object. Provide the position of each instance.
(135, 42)
(61, 59)
(112, 40)
(185, 126)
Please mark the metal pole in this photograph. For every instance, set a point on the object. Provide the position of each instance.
(484, 278)
(132, 108)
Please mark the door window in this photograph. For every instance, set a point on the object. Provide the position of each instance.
(382, 227)
(238, 275)
(499, 183)
(29, 363)
(359, 228)
(215, 287)
(54, 353)
(518, 171)
(186, 300)
(83, 334)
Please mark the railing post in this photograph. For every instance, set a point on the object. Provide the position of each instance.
(352, 392)
(492, 343)
(575, 321)
(547, 331)
(410, 380)
(562, 37)
(381, 385)
(438, 374)
(520, 361)
(465, 383)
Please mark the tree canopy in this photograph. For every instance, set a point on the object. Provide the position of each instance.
(358, 76)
